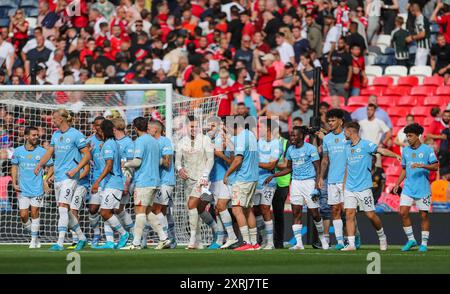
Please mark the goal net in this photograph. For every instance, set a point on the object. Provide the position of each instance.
(22, 106)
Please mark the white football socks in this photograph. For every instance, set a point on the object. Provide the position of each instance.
(409, 233)
(94, 222)
(297, 229)
(141, 219)
(109, 233)
(253, 234)
(425, 236)
(114, 222)
(339, 231)
(193, 221)
(269, 231)
(126, 220)
(35, 229)
(75, 226)
(245, 234)
(228, 224)
(63, 222)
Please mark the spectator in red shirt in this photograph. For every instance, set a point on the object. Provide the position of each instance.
(359, 78)
(259, 44)
(249, 27)
(19, 27)
(120, 20)
(78, 14)
(437, 126)
(265, 73)
(226, 102)
(116, 40)
(443, 20)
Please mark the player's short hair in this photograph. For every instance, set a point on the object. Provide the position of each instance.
(65, 114)
(29, 129)
(352, 125)
(140, 123)
(119, 123)
(107, 127)
(335, 113)
(157, 123)
(414, 128)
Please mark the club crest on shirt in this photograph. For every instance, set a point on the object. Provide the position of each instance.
(336, 140)
(420, 155)
(30, 156)
(353, 151)
(414, 155)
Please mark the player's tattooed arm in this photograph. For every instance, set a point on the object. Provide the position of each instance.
(44, 159)
(323, 169)
(14, 174)
(317, 169)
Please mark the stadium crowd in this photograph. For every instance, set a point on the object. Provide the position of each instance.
(260, 54)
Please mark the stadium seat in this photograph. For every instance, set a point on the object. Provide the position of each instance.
(383, 81)
(393, 170)
(434, 101)
(371, 58)
(372, 90)
(357, 101)
(386, 101)
(422, 90)
(410, 81)
(421, 72)
(373, 71)
(419, 119)
(383, 42)
(327, 99)
(443, 91)
(433, 81)
(31, 11)
(29, 3)
(398, 111)
(10, 3)
(407, 101)
(350, 109)
(401, 122)
(397, 91)
(420, 111)
(396, 71)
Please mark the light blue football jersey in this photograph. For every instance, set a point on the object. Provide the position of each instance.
(220, 167)
(97, 162)
(247, 147)
(147, 149)
(167, 176)
(359, 165)
(417, 181)
(67, 147)
(111, 151)
(334, 145)
(126, 148)
(302, 161)
(268, 151)
(26, 161)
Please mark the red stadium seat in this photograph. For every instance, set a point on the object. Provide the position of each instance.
(386, 101)
(383, 81)
(393, 170)
(419, 119)
(327, 99)
(350, 109)
(398, 111)
(421, 111)
(357, 101)
(397, 91)
(443, 91)
(410, 81)
(433, 81)
(423, 91)
(435, 101)
(394, 120)
(401, 122)
(407, 101)
(372, 90)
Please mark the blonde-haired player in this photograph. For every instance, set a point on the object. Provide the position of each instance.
(68, 145)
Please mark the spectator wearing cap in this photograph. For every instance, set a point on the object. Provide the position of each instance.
(7, 54)
(314, 32)
(301, 45)
(340, 70)
(361, 113)
(285, 50)
(279, 109)
(265, 73)
(250, 98)
(41, 74)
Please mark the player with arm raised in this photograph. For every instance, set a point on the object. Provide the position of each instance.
(146, 178)
(111, 182)
(167, 174)
(334, 161)
(245, 166)
(95, 143)
(194, 160)
(303, 162)
(30, 188)
(126, 154)
(269, 149)
(71, 155)
(358, 183)
(417, 161)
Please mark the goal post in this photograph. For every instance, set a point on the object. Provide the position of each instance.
(26, 105)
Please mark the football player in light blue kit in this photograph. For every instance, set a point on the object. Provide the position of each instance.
(146, 178)
(358, 183)
(30, 188)
(417, 161)
(126, 153)
(164, 196)
(111, 182)
(269, 149)
(303, 161)
(245, 165)
(334, 161)
(95, 143)
(71, 155)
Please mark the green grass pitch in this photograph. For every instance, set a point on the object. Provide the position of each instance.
(20, 259)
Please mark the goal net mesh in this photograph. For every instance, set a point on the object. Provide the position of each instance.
(19, 109)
